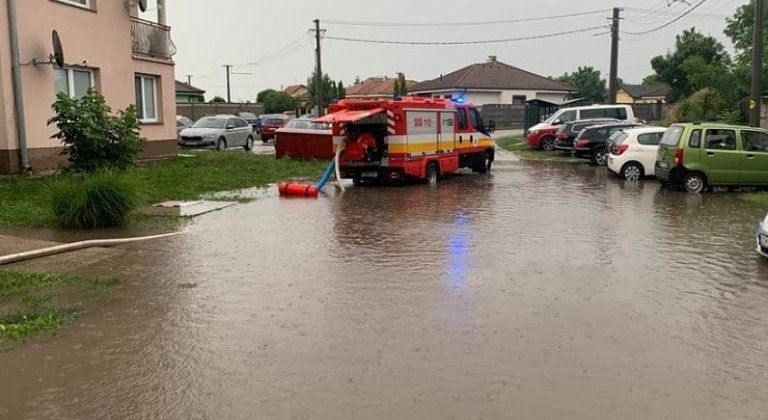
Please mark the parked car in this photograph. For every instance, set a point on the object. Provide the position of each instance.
(567, 133)
(592, 142)
(633, 152)
(544, 138)
(271, 123)
(222, 131)
(252, 119)
(762, 238)
(566, 115)
(696, 157)
(305, 124)
(182, 123)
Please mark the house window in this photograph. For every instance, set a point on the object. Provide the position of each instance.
(146, 97)
(80, 3)
(73, 81)
(519, 99)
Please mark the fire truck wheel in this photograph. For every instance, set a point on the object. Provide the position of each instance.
(485, 167)
(433, 174)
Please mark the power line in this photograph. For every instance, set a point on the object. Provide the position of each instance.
(287, 49)
(686, 13)
(490, 41)
(460, 24)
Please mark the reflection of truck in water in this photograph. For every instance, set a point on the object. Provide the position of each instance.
(409, 139)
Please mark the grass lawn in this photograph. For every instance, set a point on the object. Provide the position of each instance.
(759, 197)
(520, 147)
(24, 201)
(33, 303)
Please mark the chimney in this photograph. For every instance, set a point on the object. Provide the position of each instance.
(491, 58)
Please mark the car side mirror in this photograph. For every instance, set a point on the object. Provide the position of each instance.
(491, 126)
(230, 127)
(557, 122)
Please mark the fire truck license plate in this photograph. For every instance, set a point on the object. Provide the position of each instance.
(370, 174)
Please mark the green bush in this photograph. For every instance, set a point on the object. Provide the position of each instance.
(706, 105)
(94, 139)
(100, 200)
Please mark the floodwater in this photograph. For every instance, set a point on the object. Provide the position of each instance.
(541, 291)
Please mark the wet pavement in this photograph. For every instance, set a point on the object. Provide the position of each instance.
(541, 291)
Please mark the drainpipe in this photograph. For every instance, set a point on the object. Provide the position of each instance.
(18, 91)
(162, 16)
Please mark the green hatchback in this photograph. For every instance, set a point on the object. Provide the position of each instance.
(696, 157)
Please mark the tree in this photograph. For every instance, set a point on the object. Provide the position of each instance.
(262, 96)
(740, 28)
(704, 105)
(403, 84)
(328, 86)
(276, 102)
(587, 80)
(342, 92)
(694, 53)
(218, 99)
(396, 89)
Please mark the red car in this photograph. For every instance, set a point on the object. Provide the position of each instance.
(543, 138)
(270, 124)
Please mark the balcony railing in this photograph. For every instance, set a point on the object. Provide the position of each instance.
(153, 40)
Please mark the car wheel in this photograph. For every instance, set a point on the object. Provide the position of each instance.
(433, 174)
(548, 144)
(221, 145)
(695, 183)
(599, 157)
(485, 167)
(248, 144)
(632, 171)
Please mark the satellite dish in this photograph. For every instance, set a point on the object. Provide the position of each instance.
(58, 51)
(142, 5)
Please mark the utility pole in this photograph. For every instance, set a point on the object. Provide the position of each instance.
(319, 71)
(756, 97)
(613, 84)
(189, 79)
(229, 90)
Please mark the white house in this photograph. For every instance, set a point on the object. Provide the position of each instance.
(493, 82)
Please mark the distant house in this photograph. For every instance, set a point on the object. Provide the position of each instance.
(186, 93)
(642, 94)
(494, 82)
(376, 88)
(298, 92)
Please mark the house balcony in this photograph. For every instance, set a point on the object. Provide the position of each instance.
(152, 40)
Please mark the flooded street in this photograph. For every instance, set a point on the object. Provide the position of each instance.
(541, 291)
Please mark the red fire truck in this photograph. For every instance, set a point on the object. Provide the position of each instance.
(412, 138)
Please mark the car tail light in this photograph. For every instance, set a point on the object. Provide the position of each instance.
(618, 151)
(561, 135)
(679, 156)
(581, 143)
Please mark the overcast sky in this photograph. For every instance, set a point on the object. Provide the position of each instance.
(209, 34)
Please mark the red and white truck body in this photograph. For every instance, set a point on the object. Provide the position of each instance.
(409, 138)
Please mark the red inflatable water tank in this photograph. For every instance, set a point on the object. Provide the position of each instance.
(298, 190)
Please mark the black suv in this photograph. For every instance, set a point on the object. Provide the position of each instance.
(592, 142)
(568, 131)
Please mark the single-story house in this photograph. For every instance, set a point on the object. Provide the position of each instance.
(376, 88)
(186, 93)
(298, 92)
(494, 82)
(642, 94)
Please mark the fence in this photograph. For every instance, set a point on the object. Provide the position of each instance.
(195, 111)
(513, 116)
(505, 116)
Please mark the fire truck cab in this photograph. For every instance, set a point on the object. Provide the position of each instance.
(412, 138)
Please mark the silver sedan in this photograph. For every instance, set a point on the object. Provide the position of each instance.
(221, 131)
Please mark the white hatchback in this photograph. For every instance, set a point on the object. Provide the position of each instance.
(633, 152)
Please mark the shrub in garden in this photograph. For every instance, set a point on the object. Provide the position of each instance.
(704, 106)
(100, 200)
(93, 138)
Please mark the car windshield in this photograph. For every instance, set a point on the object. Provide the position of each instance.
(300, 124)
(672, 136)
(210, 122)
